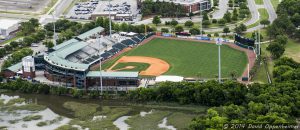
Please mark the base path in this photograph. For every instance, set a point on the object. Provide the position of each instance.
(157, 66)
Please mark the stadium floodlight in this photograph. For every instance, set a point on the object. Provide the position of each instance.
(201, 19)
(109, 18)
(219, 43)
(257, 42)
(101, 86)
(54, 34)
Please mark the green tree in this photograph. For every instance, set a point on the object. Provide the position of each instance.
(156, 20)
(265, 22)
(226, 30)
(179, 28)
(164, 30)
(194, 31)
(174, 22)
(227, 17)
(206, 23)
(276, 50)
(189, 23)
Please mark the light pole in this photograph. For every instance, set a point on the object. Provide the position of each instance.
(54, 34)
(109, 19)
(201, 29)
(219, 43)
(101, 86)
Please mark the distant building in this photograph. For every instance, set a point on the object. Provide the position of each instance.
(7, 26)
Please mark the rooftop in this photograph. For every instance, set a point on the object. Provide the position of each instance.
(6, 23)
(185, 2)
(16, 67)
(58, 57)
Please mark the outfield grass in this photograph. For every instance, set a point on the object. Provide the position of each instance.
(259, 2)
(137, 66)
(190, 58)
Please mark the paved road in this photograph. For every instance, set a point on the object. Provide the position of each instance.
(223, 7)
(254, 13)
(272, 15)
(59, 8)
(271, 11)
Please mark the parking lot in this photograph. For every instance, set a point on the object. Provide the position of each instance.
(121, 10)
(23, 5)
(83, 10)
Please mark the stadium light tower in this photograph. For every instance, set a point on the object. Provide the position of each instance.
(109, 18)
(257, 42)
(54, 34)
(101, 86)
(219, 43)
(201, 29)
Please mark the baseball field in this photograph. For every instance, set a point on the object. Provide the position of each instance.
(177, 57)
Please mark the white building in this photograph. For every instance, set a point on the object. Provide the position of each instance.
(170, 78)
(8, 25)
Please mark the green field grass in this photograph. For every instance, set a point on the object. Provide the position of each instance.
(137, 66)
(259, 2)
(292, 50)
(180, 120)
(148, 122)
(191, 58)
(275, 3)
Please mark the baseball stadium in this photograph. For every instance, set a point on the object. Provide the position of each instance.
(128, 58)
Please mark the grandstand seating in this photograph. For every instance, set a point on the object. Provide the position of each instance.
(136, 39)
(140, 36)
(105, 55)
(119, 46)
(128, 42)
(113, 51)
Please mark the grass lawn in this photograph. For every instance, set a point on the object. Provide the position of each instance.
(261, 75)
(180, 120)
(263, 15)
(10, 40)
(148, 122)
(190, 58)
(259, 2)
(84, 114)
(263, 32)
(137, 66)
(292, 50)
(275, 3)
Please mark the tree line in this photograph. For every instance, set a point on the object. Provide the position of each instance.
(68, 29)
(275, 103)
(165, 9)
(286, 25)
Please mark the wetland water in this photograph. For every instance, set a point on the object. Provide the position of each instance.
(111, 114)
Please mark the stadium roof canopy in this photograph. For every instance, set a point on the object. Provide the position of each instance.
(16, 67)
(90, 33)
(113, 74)
(58, 57)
